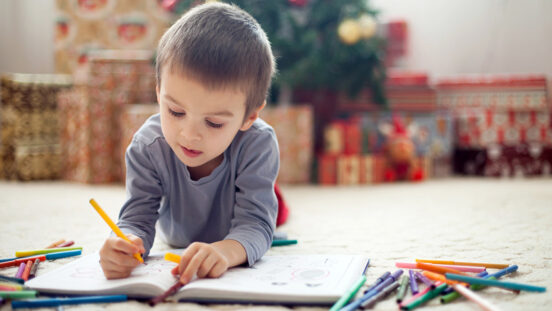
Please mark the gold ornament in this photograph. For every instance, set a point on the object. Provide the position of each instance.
(349, 31)
(367, 26)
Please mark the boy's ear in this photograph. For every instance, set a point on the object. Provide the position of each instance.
(252, 117)
(157, 92)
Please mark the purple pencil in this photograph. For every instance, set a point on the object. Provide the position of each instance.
(413, 282)
(20, 271)
(425, 280)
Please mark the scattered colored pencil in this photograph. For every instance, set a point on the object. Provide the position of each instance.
(496, 283)
(461, 263)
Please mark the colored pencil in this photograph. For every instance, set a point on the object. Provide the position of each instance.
(54, 302)
(461, 263)
(464, 291)
(27, 271)
(283, 242)
(438, 269)
(425, 298)
(441, 278)
(172, 257)
(18, 261)
(386, 291)
(350, 294)
(496, 283)
(20, 270)
(20, 294)
(113, 226)
(171, 291)
(66, 244)
(26, 253)
(402, 289)
(56, 243)
(408, 265)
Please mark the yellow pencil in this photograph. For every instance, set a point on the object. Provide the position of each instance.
(459, 263)
(113, 226)
(172, 257)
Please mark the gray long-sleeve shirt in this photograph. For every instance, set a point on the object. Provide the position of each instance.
(236, 201)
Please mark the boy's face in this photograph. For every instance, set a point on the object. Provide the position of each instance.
(200, 123)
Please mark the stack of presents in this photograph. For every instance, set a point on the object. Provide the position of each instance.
(76, 128)
(488, 126)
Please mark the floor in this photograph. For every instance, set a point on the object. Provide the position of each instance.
(492, 220)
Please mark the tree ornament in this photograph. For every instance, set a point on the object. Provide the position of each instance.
(367, 26)
(349, 31)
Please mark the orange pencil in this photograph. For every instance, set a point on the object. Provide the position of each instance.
(55, 244)
(438, 269)
(460, 263)
(441, 278)
(27, 271)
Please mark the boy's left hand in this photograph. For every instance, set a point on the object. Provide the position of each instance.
(203, 260)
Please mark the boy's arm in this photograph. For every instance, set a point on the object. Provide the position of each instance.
(144, 191)
(232, 250)
(256, 206)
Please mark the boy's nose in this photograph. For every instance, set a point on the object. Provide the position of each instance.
(190, 132)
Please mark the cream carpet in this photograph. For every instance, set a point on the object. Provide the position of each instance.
(487, 220)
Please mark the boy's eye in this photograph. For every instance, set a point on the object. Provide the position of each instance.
(176, 114)
(212, 124)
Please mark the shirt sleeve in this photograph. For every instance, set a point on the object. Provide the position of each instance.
(256, 206)
(144, 193)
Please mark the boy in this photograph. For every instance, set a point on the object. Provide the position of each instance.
(205, 167)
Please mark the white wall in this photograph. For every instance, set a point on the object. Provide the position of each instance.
(447, 37)
(27, 36)
(450, 37)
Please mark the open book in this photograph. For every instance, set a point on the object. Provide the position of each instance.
(286, 279)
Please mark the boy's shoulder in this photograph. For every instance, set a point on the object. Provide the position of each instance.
(150, 131)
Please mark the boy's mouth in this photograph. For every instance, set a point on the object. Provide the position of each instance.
(190, 152)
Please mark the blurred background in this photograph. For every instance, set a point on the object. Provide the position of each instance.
(367, 91)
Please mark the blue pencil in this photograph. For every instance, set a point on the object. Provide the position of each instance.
(509, 285)
(65, 254)
(54, 302)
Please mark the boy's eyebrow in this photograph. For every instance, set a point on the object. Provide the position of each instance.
(223, 113)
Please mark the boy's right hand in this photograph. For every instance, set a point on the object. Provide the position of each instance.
(117, 256)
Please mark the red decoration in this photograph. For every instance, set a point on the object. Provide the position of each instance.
(299, 3)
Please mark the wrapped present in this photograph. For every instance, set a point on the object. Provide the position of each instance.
(34, 161)
(327, 169)
(133, 117)
(506, 93)
(348, 170)
(294, 129)
(334, 136)
(81, 26)
(480, 128)
(29, 121)
(91, 112)
(518, 161)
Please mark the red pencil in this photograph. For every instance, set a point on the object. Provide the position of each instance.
(17, 262)
(172, 290)
(27, 271)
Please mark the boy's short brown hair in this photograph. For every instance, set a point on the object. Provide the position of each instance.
(220, 45)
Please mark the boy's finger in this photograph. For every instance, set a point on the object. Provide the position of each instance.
(206, 266)
(125, 247)
(138, 242)
(219, 268)
(192, 267)
(186, 256)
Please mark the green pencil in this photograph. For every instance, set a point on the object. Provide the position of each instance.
(425, 298)
(349, 294)
(283, 242)
(20, 294)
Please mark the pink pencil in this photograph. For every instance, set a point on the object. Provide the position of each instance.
(408, 265)
(418, 295)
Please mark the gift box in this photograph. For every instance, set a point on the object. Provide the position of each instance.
(133, 117)
(294, 129)
(485, 127)
(29, 124)
(522, 160)
(82, 26)
(327, 170)
(91, 113)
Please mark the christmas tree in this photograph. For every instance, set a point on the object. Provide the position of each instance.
(325, 45)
